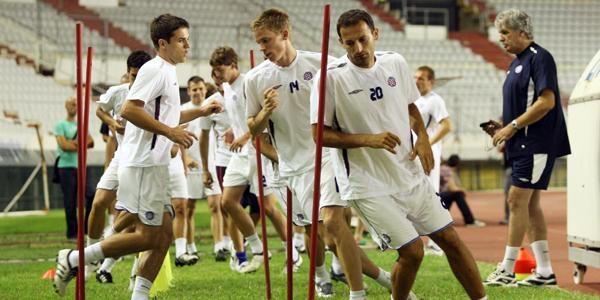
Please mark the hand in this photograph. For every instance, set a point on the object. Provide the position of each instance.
(385, 140)
(228, 136)
(503, 135)
(271, 100)
(213, 107)
(181, 136)
(238, 144)
(191, 163)
(422, 149)
(174, 150)
(207, 179)
(117, 127)
(491, 127)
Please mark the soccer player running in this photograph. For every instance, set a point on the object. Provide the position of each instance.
(153, 114)
(241, 170)
(278, 93)
(109, 111)
(368, 112)
(535, 134)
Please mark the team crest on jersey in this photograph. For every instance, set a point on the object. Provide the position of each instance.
(149, 215)
(391, 81)
(308, 75)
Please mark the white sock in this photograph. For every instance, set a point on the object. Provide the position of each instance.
(91, 253)
(321, 274)
(108, 231)
(510, 256)
(91, 241)
(542, 258)
(384, 279)
(141, 290)
(255, 243)
(111, 219)
(226, 242)
(108, 264)
(218, 246)
(191, 248)
(295, 253)
(134, 266)
(358, 295)
(336, 266)
(298, 238)
(180, 246)
(484, 298)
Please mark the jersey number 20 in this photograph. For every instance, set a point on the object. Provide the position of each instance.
(376, 93)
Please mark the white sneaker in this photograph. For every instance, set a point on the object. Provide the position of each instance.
(476, 223)
(253, 265)
(91, 269)
(500, 278)
(295, 266)
(64, 271)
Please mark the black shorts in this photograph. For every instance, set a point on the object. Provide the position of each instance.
(532, 171)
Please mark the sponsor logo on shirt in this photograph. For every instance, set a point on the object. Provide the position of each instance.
(355, 92)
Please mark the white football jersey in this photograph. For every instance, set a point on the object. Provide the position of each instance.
(156, 84)
(433, 110)
(111, 102)
(374, 100)
(235, 106)
(289, 124)
(217, 124)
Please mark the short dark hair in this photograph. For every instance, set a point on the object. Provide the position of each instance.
(453, 160)
(163, 26)
(137, 59)
(223, 55)
(195, 79)
(353, 17)
(429, 70)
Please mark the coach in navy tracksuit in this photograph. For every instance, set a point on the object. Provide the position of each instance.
(535, 134)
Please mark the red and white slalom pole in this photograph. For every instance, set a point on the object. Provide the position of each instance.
(319, 151)
(82, 140)
(261, 201)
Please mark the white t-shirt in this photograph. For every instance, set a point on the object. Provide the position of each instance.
(433, 110)
(156, 84)
(235, 106)
(289, 124)
(218, 124)
(373, 100)
(111, 102)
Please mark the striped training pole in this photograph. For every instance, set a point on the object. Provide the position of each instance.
(261, 201)
(318, 153)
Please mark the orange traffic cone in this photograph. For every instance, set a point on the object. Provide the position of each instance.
(49, 274)
(524, 264)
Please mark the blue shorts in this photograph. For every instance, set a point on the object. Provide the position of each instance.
(249, 199)
(532, 171)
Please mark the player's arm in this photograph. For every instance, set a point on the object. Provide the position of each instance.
(534, 113)
(444, 128)
(110, 121)
(422, 147)
(267, 149)
(202, 111)
(207, 179)
(259, 122)
(133, 111)
(337, 139)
